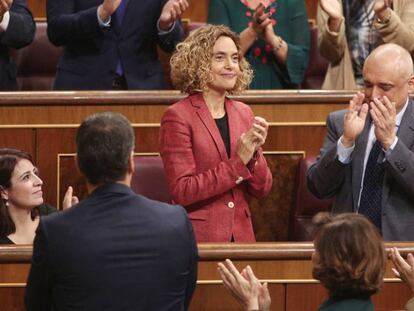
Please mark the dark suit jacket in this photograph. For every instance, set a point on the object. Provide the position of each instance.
(328, 177)
(115, 250)
(201, 176)
(91, 53)
(20, 32)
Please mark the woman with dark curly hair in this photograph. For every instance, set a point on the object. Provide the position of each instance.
(349, 260)
(21, 203)
(211, 144)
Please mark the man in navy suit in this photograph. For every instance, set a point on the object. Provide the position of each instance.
(113, 44)
(115, 250)
(17, 29)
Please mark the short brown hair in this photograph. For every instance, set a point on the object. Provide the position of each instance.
(191, 62)
(351, 255)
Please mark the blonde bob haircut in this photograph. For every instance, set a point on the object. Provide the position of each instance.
(350, 255)
(191, 62)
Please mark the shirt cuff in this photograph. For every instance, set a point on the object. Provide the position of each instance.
(164, 32)
(5, 22)
(103, 24)
(391, 148)
(344, 154)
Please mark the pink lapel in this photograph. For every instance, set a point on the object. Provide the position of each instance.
(206, 118)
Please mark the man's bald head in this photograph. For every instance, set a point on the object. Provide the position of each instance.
(388, 71)
(392, 56)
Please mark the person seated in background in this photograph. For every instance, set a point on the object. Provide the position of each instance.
(348, 31)
(21, 204)
(404, 269)
(17, 29)
(367, 158)
(112, 44)
(115, 250)
(210, 144)
(274, 37)
(349, 261)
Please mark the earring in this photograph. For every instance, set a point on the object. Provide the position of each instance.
(6, 203)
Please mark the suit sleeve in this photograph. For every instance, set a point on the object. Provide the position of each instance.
(169, 40)
(399, 29)
(39, 291)
(298, 42)
(65, 24)
(21, 29)
(186, 185)
(400, 164)
(326, 176)
(192, 277)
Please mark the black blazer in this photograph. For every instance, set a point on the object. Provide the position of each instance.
(20, 32)
(91, 53)
(115, 250)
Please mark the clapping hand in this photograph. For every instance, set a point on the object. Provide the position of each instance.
(171, 11)
(252, 140)
(354, 119)
(69, 199)
(245, 287)
(403, 269)
(383, 115)
(107, 8)
(5, 5)
(260, 19)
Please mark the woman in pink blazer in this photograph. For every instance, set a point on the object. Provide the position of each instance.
(210, 144)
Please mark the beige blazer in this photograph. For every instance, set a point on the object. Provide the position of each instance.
(333, 46)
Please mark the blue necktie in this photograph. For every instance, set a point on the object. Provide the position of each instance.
(120, 13)
(370, 203)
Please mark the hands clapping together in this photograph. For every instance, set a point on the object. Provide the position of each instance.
(252, 140)
(172, 10)
(383, 114)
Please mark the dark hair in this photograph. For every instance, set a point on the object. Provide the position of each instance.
(104, 144)
(350, 255)
(8, 161)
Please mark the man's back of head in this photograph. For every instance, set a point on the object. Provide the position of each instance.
(115, 250)
(105, 142)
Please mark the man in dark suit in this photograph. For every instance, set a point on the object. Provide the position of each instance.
(367, 159)
(17, 29)
(113, 44)
(115, 250)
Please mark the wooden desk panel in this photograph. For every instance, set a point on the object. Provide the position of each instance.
(285, 266)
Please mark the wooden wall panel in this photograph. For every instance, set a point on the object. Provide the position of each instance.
(198, 10)
(285, 266)
(23, 139)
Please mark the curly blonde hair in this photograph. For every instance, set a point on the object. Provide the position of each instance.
(191, 62)
(351, 256)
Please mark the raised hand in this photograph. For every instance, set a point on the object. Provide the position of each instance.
(354, 119)
(403, 269)
(332, 8)
(171, 11)
(5, 5)
(260, 19)
(246, 146)
(383, 115)
(243, 286)
(260, 128)
(69, 199)
(381, 5)
(107, 8)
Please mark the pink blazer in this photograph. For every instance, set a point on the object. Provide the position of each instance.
(200, 175)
